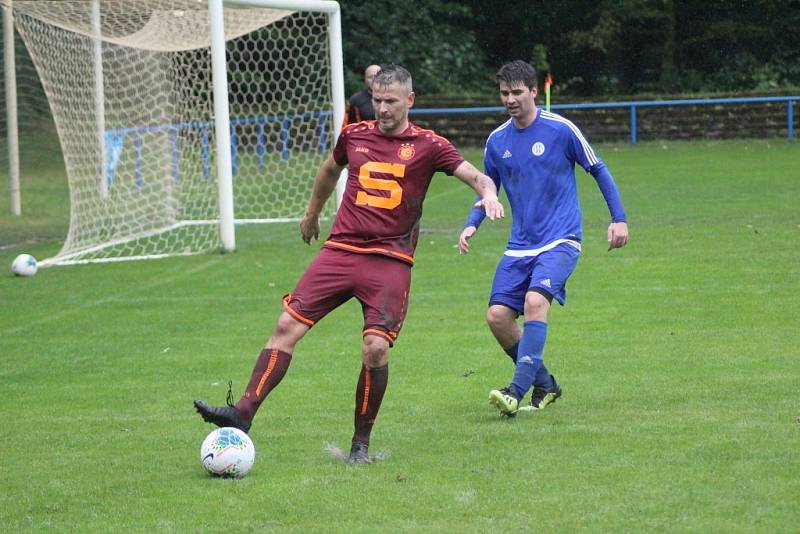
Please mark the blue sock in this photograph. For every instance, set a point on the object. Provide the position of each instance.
(529, 357)
(512, 352)
(542, 378)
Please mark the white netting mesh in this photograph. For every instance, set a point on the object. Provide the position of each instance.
(151, 139)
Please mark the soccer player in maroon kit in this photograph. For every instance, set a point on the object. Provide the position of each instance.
(369, 252)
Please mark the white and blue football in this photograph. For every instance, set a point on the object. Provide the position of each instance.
(227, 452)
(24, 265)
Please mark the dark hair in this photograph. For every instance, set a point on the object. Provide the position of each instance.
(392, 73)
(517, 71)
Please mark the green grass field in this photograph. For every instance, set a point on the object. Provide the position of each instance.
(678, 357)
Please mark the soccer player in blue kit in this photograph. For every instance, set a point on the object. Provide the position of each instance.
(533, 156)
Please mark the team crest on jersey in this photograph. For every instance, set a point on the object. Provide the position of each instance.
(538, 148)
(406, 151)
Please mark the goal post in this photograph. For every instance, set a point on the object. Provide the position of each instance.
(9, 64)
(179, 119)
(222, 120)
(224, 168)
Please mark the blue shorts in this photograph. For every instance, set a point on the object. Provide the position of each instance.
(548, 271)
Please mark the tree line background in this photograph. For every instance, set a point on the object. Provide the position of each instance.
(592, 48)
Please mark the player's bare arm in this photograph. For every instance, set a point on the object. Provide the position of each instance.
(484, 186)
(617, 235)
(324, 184)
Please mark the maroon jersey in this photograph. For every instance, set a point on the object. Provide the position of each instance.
(387, 180)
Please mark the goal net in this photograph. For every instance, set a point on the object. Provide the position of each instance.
(129, 85)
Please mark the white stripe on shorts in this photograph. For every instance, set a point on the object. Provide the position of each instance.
(537, 251)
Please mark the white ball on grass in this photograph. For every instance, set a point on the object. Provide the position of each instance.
(24, 265)
(227, 452)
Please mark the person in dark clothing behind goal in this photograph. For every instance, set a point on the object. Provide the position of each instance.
(359, 107)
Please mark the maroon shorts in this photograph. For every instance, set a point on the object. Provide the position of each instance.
(380, 284)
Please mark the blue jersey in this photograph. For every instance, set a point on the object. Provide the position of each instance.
(536, 166)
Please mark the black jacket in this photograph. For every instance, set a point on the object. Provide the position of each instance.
(360, 107)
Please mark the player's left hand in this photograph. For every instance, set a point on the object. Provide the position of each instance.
(617, 235)
(492, 207)
(309, 228)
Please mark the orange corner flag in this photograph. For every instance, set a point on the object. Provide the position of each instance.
(548, 81)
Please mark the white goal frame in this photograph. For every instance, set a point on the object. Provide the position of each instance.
(9, 64)
(223, 160)
(224, 165)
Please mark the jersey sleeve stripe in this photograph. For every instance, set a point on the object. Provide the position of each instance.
(499, 128)
(587, 149)
(417, 130)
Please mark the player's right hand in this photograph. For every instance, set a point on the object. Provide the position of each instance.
(309, 228)
(463, 239)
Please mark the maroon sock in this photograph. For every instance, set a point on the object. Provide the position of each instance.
(369, 394)
(267, 373)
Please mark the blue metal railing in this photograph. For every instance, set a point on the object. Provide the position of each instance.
(790, 100)
(286, 120)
